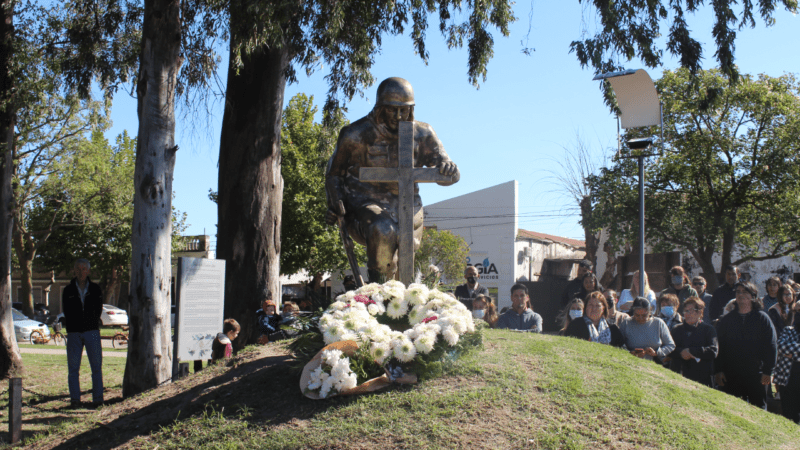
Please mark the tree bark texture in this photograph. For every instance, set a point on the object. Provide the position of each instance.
(592, 240)
(149, 361)
(10, 361)
(251, 186)
(25, 256)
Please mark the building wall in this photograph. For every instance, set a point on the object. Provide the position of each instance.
(487, 220)
(529, 269)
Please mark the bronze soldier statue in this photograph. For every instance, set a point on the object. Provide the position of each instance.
(370, 209)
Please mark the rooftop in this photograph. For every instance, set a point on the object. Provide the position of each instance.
(525, 234)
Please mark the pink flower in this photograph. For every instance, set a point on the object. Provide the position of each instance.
(364, 299)
(429, 319)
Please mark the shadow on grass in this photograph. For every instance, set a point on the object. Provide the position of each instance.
(266, 388)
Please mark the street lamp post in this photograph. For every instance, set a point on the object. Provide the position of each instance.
(639, 106)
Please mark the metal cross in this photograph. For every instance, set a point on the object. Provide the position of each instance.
(405, 175)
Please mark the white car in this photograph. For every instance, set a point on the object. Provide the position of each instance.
(113, 316)
(23, 327)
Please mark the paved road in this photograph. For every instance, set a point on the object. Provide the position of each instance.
(61, 350)
(51, 349)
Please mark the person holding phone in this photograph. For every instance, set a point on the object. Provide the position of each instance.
(646, 336)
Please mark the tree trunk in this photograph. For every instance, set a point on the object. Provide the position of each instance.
(149, 361)
(25, 260)
(111, 287)
(592, 240)
(10, 361)
(251, 186)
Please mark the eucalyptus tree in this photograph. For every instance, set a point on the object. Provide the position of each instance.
(10, 361)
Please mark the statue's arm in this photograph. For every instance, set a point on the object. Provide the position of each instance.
(335, 174)
(432, 154)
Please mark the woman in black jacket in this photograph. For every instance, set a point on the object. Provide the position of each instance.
(782, 313)
(695, 344)
(593, 325)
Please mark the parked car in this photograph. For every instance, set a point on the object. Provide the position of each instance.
(111, 316)
(40, 311)
(23, 327)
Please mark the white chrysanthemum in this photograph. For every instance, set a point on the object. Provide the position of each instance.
(376, 308)
(349, 336)
(333, 334)
(450, 336)
(330, 357)
(368, 289)
(459, 325)
(417, 294)
(424, 343)
(348, 381)
(396, 309)
(338, 315)
(404, 349)
(470, 326)
(325, 320)
(338, 306)
(380, 351)
(326, 387)
(341, 368)
(416, 314)
(411, 333)
(318, 376)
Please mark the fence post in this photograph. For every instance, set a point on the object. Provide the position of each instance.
(15, 409)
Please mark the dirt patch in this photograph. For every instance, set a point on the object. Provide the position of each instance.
(119, 421)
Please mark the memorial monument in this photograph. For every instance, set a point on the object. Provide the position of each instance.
(372, 176)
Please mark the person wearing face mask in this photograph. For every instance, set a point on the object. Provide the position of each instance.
(471, 289)
(646, 336)
(574, 310)
(668, 310)
(483, 308)
(695, 344)
(679, 286)
(593, 326)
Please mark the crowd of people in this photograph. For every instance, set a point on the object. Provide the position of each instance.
(732, 340)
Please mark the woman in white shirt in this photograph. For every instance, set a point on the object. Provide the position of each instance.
(628, 295)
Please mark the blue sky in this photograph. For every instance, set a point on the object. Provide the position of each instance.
(516, 126)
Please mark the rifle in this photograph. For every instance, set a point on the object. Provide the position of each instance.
(348, 245)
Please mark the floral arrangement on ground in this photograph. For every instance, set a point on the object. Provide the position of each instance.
(383, 333)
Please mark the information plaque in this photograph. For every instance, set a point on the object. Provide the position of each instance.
(200, 295)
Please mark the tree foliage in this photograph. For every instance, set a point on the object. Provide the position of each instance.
(307, 242)
(729, 179)
(443, 249)
(633, 29)
(100, 181)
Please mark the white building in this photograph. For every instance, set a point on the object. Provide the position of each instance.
(503, 253)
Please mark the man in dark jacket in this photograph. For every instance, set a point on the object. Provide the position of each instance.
(747, 348)
(82, 303)
(723, 294)
(470, 290)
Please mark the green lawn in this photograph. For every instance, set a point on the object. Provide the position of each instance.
(520, 391)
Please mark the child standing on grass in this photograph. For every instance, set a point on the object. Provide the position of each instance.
(222, 347)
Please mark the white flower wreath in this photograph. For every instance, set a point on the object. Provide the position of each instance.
(431, 314)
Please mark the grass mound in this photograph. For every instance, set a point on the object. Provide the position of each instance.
(520, 391)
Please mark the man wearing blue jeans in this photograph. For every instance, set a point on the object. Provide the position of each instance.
(82, 303)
